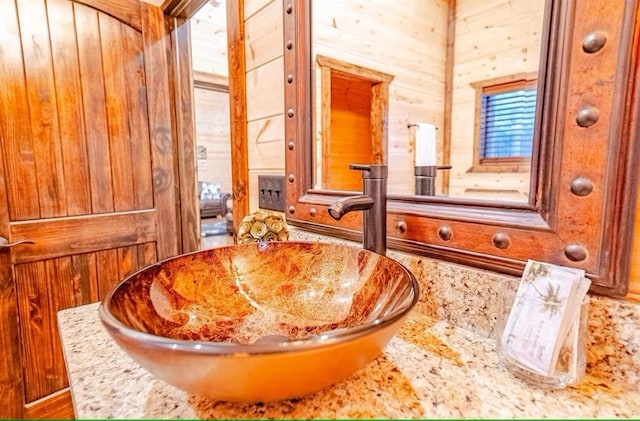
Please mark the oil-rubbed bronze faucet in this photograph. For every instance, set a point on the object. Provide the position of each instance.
(373, 202)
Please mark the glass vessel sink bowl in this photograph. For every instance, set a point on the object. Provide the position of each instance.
(260, 321)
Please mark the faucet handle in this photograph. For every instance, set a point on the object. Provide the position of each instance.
(377, 171)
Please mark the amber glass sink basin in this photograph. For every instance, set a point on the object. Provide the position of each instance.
(260, 321)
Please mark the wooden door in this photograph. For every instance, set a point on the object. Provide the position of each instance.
(87, 173)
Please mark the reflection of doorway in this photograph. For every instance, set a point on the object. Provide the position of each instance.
(354, 108)
(212, 121)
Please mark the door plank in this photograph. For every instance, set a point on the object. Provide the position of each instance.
(113, 58)
(146, 254)
(94, 108)
(126, 11)
(35, 313)
(57, 406)
(15, 131)
(67, 236)
(42, 108)
(107, 268)
(85, 278)
(127, 261)
(137, 114)
(11, 387)
(156, 47)
(69, 101)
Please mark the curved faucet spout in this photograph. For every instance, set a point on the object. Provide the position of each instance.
(373, 203)
(348, 204)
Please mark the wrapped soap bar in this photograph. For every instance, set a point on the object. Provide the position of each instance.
(546, 306)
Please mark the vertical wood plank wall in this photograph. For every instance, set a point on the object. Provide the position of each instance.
(485, 51)
(265, 91)
(384, 39)
(211, 94)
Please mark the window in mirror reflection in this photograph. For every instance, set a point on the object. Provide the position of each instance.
(432, 66)
(505, 117)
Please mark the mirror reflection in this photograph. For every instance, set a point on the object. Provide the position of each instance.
(444, 90)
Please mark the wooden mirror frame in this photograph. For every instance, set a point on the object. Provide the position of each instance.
(584, 184)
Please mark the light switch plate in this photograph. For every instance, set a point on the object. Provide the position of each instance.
(271, 192)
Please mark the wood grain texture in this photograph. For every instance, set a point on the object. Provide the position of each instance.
(16, 133)
(350, 120)
(69, 99)
(111, 38)
(43, 113)
(163, 149)
(57, 406)
(138, 123)
(126, 11)
(75, 142)
(94, 106)
(11, 385)
(185, 129)
(68, 236)
(38, 330)
(238, 110)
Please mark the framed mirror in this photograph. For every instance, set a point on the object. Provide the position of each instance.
(455, 83)
(575, 205)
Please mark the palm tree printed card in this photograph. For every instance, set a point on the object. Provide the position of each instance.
(543, 310)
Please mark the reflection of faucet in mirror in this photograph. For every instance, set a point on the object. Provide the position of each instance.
(373, 202)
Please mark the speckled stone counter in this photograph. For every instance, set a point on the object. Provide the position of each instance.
(442, 364)
(429, 370)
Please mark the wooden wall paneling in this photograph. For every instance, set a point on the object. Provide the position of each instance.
(265, 90)
(15, 131)
(417, 64)
(212, 129)
(95, 108)
(41, 95)
(238, 110)
(111, 39)
(209, 43)
(251, 7)
(266, 142)
(69, 98)
(483, 52)
(264, 35)
(184, 117)
(164, 148)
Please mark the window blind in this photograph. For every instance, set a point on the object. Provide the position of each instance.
(506, 127)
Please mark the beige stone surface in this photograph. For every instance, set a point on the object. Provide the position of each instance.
(442, 364)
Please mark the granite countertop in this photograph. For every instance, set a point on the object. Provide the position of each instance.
(431, 369)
